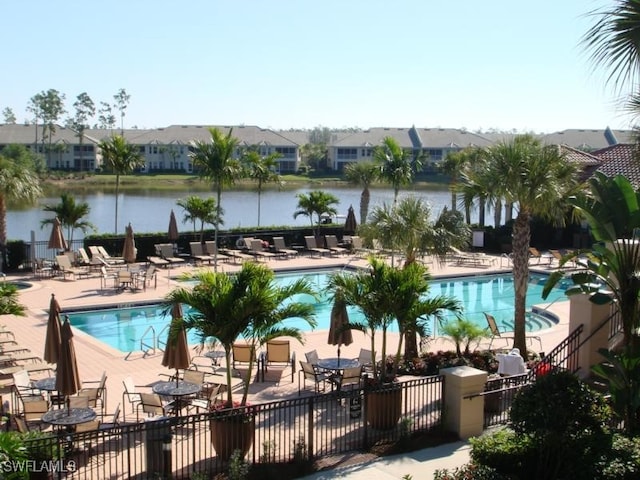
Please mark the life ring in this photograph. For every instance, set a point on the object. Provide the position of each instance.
(240, 243)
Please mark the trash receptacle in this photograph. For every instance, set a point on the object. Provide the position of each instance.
(157, 441)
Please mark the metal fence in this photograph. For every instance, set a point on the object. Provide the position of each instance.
(300, 429)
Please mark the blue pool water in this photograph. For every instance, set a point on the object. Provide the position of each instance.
(123, 328)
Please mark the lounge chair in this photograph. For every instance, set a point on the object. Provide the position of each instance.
(237, 255)
(332, 245)
(495, 332)
(535, 254)
(197, 253)
(64, 264)
(165, 250)
(257, 249)
(212, 250)
(107, 257)
(320, 378)
(476, 259)
(312, 247)
(281, 248)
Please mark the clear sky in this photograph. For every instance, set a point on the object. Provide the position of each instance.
(503, 64)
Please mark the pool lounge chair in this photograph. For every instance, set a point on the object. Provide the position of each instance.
(476, 259)
(281, 248)
(212, 250)
(197, 253)
(312, 247)
(279, 351)
(535, 254)
(495, 332)
(257, 249)
(166, 253)
(64, 264)
(332, 245)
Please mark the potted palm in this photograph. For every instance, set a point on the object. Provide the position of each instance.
(246, 305)
(387, 295)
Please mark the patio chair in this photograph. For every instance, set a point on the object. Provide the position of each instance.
(151, 404)
(42, 269)
(207, 402)
(495, 332)
(235, 255)
(64, 264)
(107, 279)
(349, 377)
(145, 277)
(320, 378)
(85, 261)
(312, 247)
(332, 245)
(535, 254)
(281, 248)
(33, 412)
(80, 401)
(130, 395)
(279, 351)
(96, 390)
(197, 253)
(365, 358)
(241, 354)
(312, 357)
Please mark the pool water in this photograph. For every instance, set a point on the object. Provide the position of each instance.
(124, 328)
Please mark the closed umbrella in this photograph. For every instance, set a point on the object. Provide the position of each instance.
(56, 239)
(129, 248)
(173, 228)
(350, 223)
(67, 377)
(338, 334)
(52, 337)
(176, 353)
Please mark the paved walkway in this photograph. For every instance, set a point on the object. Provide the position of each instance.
(421, 464)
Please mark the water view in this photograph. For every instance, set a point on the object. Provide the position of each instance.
(149, 211)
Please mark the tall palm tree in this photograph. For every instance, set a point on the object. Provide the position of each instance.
(203, 209)
(396, 164)
(17, 182)
(388, 295)
(362, 174)
(316, 202)
(612, 208)
(538, 179)
(613, 42)
(122, 158)
(215, 162)
(452, 166)
(262, 170)
(248, 303)
(70, 215)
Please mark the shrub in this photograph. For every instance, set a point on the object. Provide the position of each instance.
(469, 472)
(623, 461)
(502, 450)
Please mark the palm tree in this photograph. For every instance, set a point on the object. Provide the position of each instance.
(262, 170)
(385, 295)
(362, 174)
(538, 179)
(452, 166)
(316, 202)
(9, 304)
(396, 164)
(613, 41)
(215, 162)
(17, 182)
(122, 158)
(203, 209)
(70, 215)
(611, 269)
(408, 227)
(248, 303)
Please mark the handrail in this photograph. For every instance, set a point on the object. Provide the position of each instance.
(160, 335)
(143, 344)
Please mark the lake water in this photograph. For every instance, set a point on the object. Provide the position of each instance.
(149, 211)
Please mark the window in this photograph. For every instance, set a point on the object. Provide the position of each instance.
(286, 152)
(347, 154)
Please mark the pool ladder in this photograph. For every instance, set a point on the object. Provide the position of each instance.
(148, 341)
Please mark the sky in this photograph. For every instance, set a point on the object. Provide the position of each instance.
(281, 64)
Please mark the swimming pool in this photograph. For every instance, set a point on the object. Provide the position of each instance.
(123, 328)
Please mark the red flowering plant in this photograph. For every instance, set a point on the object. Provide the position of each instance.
(387, 295)
(245, 306)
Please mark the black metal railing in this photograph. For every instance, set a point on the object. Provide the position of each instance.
(285, 431)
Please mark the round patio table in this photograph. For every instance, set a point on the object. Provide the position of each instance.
(68, 417)
(177, 391)
(48, 384)
(337, 363)
(215, 356)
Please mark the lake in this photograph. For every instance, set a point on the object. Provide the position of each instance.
(149, 211)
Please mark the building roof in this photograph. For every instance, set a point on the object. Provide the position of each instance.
(26, 134)
(589, 139)
(620, 159)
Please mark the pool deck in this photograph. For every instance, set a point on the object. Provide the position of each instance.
(94, 357)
